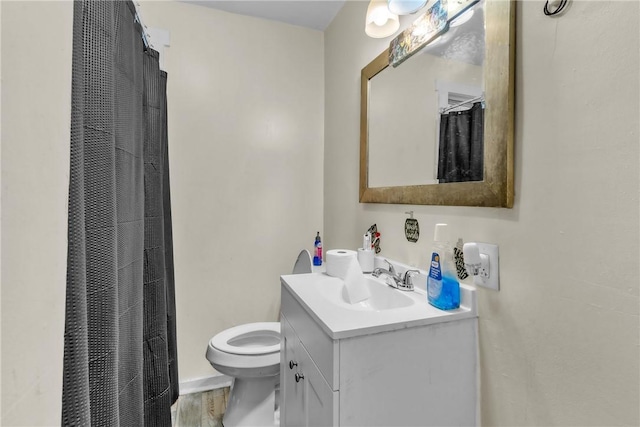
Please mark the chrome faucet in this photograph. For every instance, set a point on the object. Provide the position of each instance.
(391, 272)
(396, 280)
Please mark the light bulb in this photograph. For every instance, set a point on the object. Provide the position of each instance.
(380, 19)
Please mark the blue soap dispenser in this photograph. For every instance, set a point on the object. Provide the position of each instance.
(443, 289)
(317, 250)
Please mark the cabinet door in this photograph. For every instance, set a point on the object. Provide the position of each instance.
(291, 392)
(318, 398)
(306, 398)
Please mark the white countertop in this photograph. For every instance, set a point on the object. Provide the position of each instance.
(342, 321)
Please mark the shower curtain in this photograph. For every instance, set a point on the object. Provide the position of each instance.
(120, 362)
(461, 151)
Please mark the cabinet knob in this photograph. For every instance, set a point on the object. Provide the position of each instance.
(292, 364)
(299, 377)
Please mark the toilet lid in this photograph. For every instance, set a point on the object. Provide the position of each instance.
(249, 339)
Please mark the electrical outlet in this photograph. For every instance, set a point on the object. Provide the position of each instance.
(484, 273)
(489, 279)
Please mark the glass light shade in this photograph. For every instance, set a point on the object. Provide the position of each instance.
(462, 18)
(405, 7)
(380, 22)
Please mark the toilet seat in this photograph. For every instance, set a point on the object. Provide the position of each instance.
(250, 350)
(249, 339)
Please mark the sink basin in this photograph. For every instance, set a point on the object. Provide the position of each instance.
(383, 297)
(388, 309)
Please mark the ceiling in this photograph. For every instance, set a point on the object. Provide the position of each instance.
(315, 14)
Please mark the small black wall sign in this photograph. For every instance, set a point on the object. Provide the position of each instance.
(411, 229)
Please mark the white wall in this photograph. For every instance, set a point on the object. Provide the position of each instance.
(559, 342)
(36, 107)
(246, 100)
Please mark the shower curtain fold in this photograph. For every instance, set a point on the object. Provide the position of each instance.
(116, 372)
(461, 145)
(159, 360)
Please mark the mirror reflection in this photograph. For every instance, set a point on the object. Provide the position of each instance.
(495, 53)
(426, 117)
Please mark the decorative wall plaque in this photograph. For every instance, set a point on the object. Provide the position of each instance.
(411, 228)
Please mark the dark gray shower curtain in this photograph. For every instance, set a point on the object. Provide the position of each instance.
(461, 149)
(120, 364)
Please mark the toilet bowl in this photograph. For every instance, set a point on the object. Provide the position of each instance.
(250, 353)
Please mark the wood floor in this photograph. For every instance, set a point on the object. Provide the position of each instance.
(200, 409)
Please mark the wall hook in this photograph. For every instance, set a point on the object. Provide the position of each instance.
(554, 7)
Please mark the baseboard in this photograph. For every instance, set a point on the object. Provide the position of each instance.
(199, 385)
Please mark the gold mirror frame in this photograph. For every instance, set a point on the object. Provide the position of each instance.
(496, 190)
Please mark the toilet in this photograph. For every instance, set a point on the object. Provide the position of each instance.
(250, 353)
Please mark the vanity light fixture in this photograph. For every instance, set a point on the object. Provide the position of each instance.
(423, 31)
(406, 7)
(461, 19)
(380, 22)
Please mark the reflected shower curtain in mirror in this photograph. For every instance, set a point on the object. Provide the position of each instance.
(120, 363)
(461, 145)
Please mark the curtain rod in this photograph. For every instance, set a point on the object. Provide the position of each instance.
(460, 104)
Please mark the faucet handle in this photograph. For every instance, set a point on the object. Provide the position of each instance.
(409, 275)
(392, 270)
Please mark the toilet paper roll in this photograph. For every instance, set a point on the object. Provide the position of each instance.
(365, 258)
(337, 261)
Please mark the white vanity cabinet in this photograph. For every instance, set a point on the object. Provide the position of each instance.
(412, 373)
(307, 399)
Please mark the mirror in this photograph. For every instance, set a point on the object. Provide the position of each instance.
(402, 135)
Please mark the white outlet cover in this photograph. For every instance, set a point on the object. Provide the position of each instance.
(493, 281)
